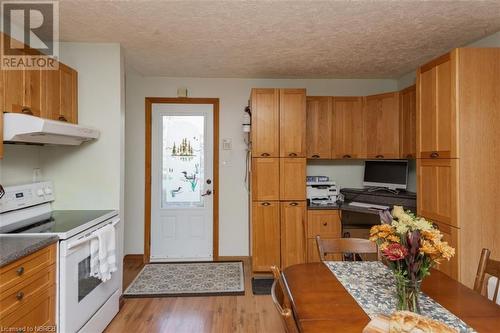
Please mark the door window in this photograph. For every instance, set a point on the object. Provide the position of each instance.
(182, 161)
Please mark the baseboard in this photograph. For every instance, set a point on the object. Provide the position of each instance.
(233, 258)
(133, 257)
(140, 257)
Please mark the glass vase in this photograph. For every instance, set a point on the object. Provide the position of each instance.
(408, 295)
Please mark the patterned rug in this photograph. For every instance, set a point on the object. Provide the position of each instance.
(188, 279)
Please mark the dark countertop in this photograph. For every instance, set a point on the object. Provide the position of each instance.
(345, 207)
(326, 207)
(14, 247)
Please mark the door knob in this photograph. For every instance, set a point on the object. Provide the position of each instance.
(208, 192)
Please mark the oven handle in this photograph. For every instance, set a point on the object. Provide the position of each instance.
(89, 237)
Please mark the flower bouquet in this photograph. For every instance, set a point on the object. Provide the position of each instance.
(410, 246)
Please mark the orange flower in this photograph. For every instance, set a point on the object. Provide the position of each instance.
(393, 238)
(432, 235)
(429, 249)
(445, 250)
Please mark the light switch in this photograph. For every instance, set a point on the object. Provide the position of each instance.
(227, 144)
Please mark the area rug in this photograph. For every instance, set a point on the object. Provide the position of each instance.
(262, 286)
(188, 279)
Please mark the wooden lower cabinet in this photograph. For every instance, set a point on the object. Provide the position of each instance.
(326, 224)
(450, 235)
(293, 220)
(437, 188)
(28, 291)
(265, 235)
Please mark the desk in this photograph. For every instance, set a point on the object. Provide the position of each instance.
(321, 304)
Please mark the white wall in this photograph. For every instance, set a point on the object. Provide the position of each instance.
(233, 95)
(88, 176)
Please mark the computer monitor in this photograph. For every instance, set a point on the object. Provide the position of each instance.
(388, 174)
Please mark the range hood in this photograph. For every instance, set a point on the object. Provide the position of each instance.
(22, 128)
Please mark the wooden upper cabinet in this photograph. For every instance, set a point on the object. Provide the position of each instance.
(21, 91)
(69, 94)
(293, 240)
(348, 133)
(436, 111)
(265, 235)
(265, 178)
(408, 126)
(292, 122)
(265, 122)
(382, 125)
(60, 89)
(437, 188)
(292, 179)
(51, 81)
(319, 127)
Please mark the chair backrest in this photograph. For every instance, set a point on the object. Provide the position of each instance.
(344, 245)
(490, 267)
(281, 300)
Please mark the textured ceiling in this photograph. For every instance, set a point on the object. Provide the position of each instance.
(285, 39)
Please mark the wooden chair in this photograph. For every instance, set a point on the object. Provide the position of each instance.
(345, 245)
(282, 302)
(490, 267)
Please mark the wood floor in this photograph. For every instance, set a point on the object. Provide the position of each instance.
(219, 314)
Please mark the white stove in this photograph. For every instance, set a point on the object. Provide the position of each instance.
(85, 303)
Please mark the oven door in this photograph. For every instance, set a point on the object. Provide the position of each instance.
(80, 295)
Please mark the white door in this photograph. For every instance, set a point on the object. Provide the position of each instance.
(181, 182)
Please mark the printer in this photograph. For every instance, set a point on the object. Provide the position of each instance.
(322, 193)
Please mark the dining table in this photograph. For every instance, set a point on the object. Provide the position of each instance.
(320, 303)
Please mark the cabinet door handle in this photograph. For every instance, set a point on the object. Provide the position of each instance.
(294, 204)
(434, 154)
(266, 204)
(26, 110)
(409, 156)
(20, 295)
(20, 271)
(315, 156)
(325, 224)
(62, 118)
(265, 154)
(292, 155)
(379, 156)
(346, 156)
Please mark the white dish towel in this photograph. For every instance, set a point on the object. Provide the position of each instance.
(103, 253)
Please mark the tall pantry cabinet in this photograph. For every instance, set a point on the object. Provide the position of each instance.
(458, 121)
(278, 172)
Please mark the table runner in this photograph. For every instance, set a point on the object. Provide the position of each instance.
(372, 286)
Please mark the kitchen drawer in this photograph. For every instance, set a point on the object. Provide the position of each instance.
(40, 311)
(325, 223)
(24, 268)
(450, 235)
(22, 294)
